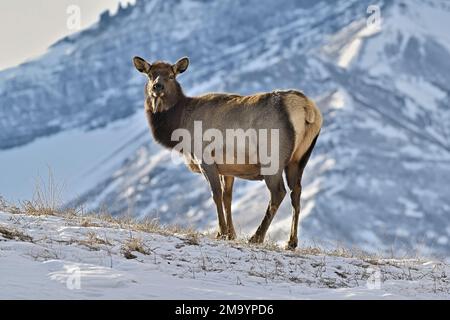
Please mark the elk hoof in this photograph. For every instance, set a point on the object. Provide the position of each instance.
(220, 236)
(291, 245)
(255, 239)
(231, 235)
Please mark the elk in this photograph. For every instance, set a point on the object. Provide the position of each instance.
(296, 118)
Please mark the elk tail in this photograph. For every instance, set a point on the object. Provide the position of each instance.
(310, 114)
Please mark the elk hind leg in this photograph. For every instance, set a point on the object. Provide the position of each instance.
(277, 190)
(294, 174)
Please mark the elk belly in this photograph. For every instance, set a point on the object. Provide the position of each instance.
(244, 171)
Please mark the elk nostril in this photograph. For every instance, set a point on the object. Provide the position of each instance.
(158, 86)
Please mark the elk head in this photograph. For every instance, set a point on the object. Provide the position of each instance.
(162, 89)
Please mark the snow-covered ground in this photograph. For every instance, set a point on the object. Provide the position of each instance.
(88, 258)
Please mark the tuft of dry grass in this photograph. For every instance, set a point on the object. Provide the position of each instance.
(338, 251)
(93, 241)
(134, 244)
(128, 255)
(87, 222)
(14, 234)
(47, 195)
(46, 200)
(268, 244)
(150, 225)
(8, 207)
(192, 239)
(31, 208)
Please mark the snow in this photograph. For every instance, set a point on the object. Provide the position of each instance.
(346, 45)
(339, 100)
(410, 208)
(65, 260)
(430, 17)
(423, 93)
(351, 51)
(419, 19)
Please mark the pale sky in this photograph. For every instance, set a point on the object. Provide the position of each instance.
(29, 27)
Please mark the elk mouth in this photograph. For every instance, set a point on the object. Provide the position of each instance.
(157, 102)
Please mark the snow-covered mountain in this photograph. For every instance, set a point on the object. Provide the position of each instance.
(378, 178)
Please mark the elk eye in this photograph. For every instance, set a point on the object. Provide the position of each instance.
(171, 77)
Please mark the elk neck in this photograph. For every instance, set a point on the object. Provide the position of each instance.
(163, 124)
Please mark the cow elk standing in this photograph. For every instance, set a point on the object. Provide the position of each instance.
(295, 117)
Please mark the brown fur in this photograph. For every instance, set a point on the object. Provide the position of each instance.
(295, 116)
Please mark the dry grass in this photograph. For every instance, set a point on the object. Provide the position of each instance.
(338, 251)
(47, 195)
(40, 207)
(268, 244)
(14, 234)
(88, 222)
(192, 239)
(189, 235)
(93, 241)
(134, 244)
(46, 202)
(137, 245)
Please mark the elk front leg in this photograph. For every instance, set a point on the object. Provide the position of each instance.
(227, 187)
(211, 174)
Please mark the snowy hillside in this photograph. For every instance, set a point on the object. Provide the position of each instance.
(378, 178)
(48, 257)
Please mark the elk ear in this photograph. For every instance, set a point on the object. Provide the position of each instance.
(141, 65)
(181, 65)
